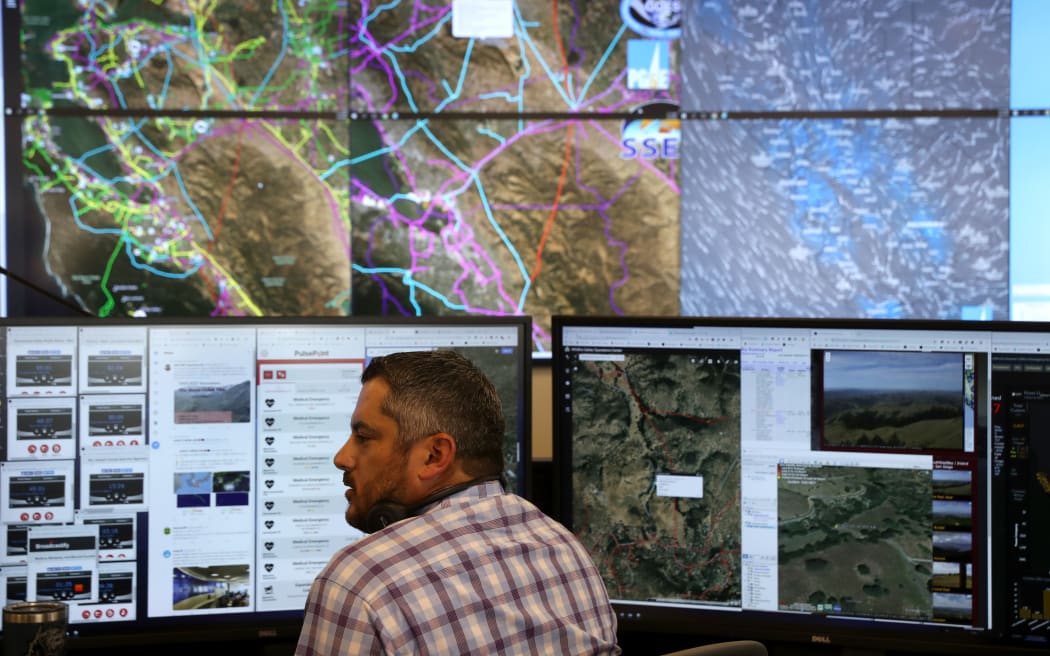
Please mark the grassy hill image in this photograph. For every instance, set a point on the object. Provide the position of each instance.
(893, 400)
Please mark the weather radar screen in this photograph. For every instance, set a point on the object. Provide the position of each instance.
(868, 175)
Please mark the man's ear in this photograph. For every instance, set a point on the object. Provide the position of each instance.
(438, 456)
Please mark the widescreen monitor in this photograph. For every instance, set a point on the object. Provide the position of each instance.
(166, 476)
(852, 482)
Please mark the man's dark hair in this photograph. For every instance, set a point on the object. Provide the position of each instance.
(444, 392)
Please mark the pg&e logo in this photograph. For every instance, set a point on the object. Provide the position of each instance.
(652, 138)
(649, 64)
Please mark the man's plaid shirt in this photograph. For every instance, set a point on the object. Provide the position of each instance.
(480, 572)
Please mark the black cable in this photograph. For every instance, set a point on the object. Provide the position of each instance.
(40, 290)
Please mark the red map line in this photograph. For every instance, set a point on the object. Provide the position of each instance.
(234, 169)
(568, 150)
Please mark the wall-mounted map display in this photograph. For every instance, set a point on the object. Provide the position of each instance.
(576, 57)
(821, 56)
(459, 217)
(191, 216)
(883, 218)
(176, 56)
(873, 158)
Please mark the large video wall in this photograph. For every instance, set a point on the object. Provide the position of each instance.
(499, 157)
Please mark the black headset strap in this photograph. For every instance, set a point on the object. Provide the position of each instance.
(384, 513)
(450, 490)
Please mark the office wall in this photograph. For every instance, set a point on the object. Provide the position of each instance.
(542, 413)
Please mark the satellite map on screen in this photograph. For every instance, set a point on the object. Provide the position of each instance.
(178, 55)
(855, 541)
(220, 212)
(193, 216)
(545, 207)
(557, 56)
(460, 217)
(656, 473)
(496, 157)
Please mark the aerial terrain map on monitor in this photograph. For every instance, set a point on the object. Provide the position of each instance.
(855, 541)
(668, 530)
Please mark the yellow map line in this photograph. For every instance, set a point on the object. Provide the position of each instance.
(244, 297)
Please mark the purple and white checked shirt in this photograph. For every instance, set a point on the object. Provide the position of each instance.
(481, 572)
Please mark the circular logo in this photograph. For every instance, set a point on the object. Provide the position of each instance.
(656, 19)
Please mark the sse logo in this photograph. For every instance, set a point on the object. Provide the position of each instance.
(652, 138)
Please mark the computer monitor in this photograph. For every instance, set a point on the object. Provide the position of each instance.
(160, 476)
(851, 482)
